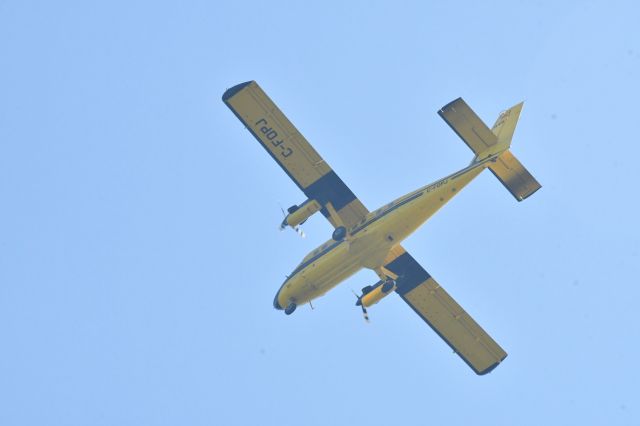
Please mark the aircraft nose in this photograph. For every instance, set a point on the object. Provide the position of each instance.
(275, 302)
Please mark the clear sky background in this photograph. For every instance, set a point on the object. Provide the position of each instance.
(139, 250)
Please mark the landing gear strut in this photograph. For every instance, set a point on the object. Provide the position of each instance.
(290, 308)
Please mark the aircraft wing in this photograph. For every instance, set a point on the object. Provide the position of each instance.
(294, 153)
(438, 309)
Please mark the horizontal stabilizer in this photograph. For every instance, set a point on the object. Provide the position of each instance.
(471, 129)
(485, 143)
(513, 175)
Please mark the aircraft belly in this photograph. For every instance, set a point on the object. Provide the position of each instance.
(372, 248)
(322, 275)
(371, 245)
(328, 273)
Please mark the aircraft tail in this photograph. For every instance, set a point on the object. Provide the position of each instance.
(514, 176)
(485, 142)
(509, 171)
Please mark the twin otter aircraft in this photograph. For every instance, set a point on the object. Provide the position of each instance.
(364, 239)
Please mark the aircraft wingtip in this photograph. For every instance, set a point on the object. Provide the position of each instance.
(235, 89)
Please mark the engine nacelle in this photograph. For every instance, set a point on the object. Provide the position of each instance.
(375, 293)
(298, 214)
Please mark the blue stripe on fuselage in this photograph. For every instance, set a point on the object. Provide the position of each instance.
(384, 213)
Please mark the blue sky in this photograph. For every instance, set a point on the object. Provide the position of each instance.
(139, 251)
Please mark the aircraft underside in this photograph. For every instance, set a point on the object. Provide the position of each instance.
(372, 239)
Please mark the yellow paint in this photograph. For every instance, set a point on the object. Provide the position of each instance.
(376, 295)
(303, 213)
(373, 239)
(370, 241)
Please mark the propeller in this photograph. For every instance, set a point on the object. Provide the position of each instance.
(359, 303)
(296, 228)
(364, 313)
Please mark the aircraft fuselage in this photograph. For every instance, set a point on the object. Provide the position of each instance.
(368, 243)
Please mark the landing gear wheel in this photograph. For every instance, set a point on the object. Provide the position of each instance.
(339, 233)
(290, 308)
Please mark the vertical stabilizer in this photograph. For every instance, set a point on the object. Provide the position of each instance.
(505, 125)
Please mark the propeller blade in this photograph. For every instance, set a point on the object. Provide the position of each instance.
(284, 215)
(364, 310)
(364, 313)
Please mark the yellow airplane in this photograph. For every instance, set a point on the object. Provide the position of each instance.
(364, 239)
